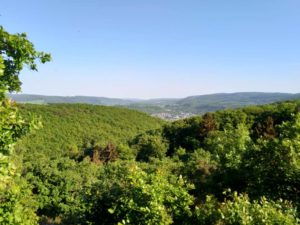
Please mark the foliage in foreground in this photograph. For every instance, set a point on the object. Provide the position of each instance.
(239, 209)
(126, 194)
(16, 204)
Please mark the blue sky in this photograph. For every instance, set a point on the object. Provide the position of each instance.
(159, 48)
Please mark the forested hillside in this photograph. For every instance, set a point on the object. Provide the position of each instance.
(72, 127)
(229, 167)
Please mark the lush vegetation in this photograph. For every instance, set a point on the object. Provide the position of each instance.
(100, 165)
(16, 204)
(70, 128)
(229, 167)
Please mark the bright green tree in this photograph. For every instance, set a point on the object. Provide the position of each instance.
(126, 194)
(15, 53)
(150, 145)
(273, 166)
(239, 209)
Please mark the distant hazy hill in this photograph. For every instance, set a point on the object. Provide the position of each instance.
(203, 103)
(44, 99)
(208, 103)
(169, 107)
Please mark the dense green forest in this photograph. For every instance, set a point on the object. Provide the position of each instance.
(237, 166)
(73, 127)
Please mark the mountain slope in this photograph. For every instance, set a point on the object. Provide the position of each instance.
(204, 103)
(44, 99)
(69, 127)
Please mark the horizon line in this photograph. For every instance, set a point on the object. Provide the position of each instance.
(134, 98)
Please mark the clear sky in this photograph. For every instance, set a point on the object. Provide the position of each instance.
(159, 48)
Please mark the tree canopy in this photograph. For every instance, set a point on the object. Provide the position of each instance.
(16, 51)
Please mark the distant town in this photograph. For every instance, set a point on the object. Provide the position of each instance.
(172, 117)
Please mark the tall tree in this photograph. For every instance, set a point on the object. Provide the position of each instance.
(16, 51)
